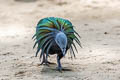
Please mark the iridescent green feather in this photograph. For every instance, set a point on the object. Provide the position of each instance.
(44, 30)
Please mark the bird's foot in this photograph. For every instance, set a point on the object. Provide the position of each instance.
(59, 69)
(46, 63)
(50, 62)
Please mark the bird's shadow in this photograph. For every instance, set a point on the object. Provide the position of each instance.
(64, 69)
(25, 1)
(51, 68)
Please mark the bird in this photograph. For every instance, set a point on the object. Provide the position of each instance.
(55, 35)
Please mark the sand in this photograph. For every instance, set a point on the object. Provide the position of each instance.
(97, 21)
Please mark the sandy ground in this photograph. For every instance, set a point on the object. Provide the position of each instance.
(97, 21)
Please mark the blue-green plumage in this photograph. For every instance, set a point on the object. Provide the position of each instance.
(55, 36)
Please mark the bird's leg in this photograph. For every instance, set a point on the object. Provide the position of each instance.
(43, 61)
(59, 68)
(47, 60)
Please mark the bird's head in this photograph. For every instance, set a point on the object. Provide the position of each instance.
(61, 40)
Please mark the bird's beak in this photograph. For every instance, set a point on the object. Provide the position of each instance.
(63, 51)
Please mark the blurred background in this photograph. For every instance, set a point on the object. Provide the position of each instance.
(97, 21)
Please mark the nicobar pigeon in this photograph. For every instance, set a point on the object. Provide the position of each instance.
(55, 36)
